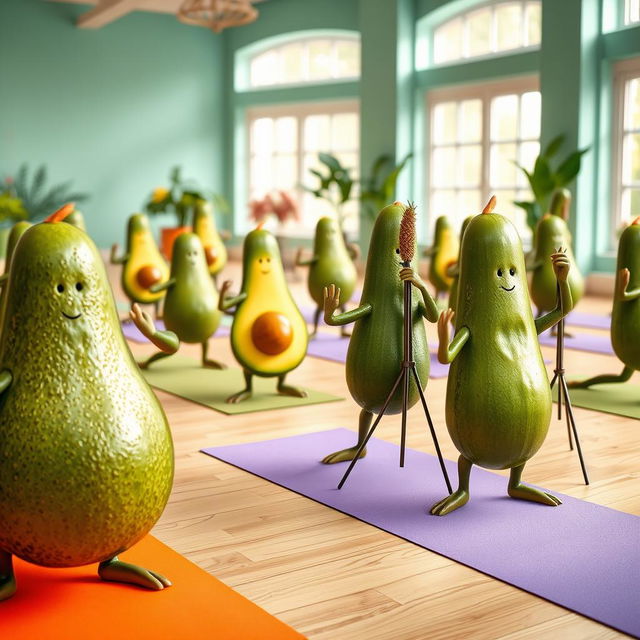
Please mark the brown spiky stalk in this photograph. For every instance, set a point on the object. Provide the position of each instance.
(407, 238)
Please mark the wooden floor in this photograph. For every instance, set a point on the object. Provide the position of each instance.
(334, 578)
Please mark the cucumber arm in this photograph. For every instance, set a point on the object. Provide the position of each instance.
(628, 296)
(622, 282)
(332, 302)
(161, 286)
(428, 307)
(565, 304)
(166, 341)
(448, 351)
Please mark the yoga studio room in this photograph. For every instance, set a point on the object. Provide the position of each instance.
(319, 319)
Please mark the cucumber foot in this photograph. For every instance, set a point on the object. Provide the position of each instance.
(456, 500)
(115, 570)
(607, 378)
(522, 491)
(287, 390)
(344, 455)
(7, 578)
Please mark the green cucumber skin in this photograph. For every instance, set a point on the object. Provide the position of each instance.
(552, 233)
(374, 357)
(332, 264)
(498, 402)
(191, 304)
(625, 316)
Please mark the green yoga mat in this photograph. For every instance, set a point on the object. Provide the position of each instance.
(623, 398)
(185, 377)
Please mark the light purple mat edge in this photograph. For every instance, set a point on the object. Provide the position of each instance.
(579, 555)
(581, 342)
(589, 320)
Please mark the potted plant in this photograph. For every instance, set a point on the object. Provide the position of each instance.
(379, 188)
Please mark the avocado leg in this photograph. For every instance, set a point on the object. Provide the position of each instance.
(207, 362)
(153, 358)
(115, 570)
(7, 579)
(627, 372)
(345, 455)
(460, 496)
(524, 492)
(316, 320)
(287, 390)
(344, 332)
(246, 393)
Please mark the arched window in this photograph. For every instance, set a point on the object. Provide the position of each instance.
(489, 29)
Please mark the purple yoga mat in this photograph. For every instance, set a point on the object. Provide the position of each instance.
(131, 332)
(579, 555)
(589, 320)
(580, 342)
(332, 346)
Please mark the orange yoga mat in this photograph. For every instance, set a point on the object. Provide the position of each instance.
(70, 604)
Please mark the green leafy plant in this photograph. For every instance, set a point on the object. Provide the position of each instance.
(544, 180)
(379, 188)
(11, 208)
(37, 200)
(180, 198)
(335, 184)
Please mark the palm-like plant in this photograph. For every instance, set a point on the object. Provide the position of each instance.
(379, 188)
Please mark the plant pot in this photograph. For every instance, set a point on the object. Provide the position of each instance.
(168, 237)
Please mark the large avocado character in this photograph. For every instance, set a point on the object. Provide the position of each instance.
(191, 311)
(443, 253)
(204, 226)
(331, 263)
(552, 232)
(268, 334)
(498, 403)
(454, 271)
(625, 317)
(86, 451)
(374, 357)
(143, 266)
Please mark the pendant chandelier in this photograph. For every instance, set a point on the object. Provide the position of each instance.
(217, 14)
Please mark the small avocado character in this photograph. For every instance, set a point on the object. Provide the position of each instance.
(143, 266)
(268, 334)
(191, 311)
(453, 271)
(625, 316)
(552, 232)
(87, 455)
(374, 356)
(331, 263)
(498, 403)
(204, 226)
(443, 253)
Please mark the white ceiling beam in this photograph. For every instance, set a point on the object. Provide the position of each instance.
(105, 12)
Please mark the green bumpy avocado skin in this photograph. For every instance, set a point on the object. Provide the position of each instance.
(87, 456)
(331, 263)
(498, 402)
(453, 291)
(191, 302)
(625, 316)
(551, 234)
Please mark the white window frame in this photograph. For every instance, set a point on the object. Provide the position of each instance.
(298, 110)
(626, 15)
(485, 91)
(492, 54)
(624, 71)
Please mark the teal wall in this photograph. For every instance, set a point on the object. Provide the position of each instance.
(112, 109)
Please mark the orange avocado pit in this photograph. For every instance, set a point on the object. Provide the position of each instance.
(271, 333)
(148, 275)
(210, 254)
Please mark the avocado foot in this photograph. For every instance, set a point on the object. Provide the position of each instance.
(208, 362)
(456, 500)
(246, 393)
(115, 570)
(524, 492)
(7, 578)
(344, 455)
(287, 390)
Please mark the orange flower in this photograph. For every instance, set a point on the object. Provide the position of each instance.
(159, 194)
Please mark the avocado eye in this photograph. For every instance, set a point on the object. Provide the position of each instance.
(512, 271)
(268, 259)
(499, 273)
(60, 288)
(260, 260)
(79, 286)
(397, 250)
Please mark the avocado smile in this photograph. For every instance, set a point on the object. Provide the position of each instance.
(71, 317)
(512, 288)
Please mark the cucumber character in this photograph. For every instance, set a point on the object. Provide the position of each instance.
(625, 317)
(498, 403)
(375, 349)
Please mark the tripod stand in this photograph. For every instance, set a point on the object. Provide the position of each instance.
(563, 392)
(407, 369)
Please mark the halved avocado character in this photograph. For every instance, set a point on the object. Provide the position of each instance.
(331, 263)
(87, 456)
(625, 317)
(498, 404)
(191, 311)
(143, 266)
(204, 226)
(268, 334)
(375, 349)
(443, 254)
